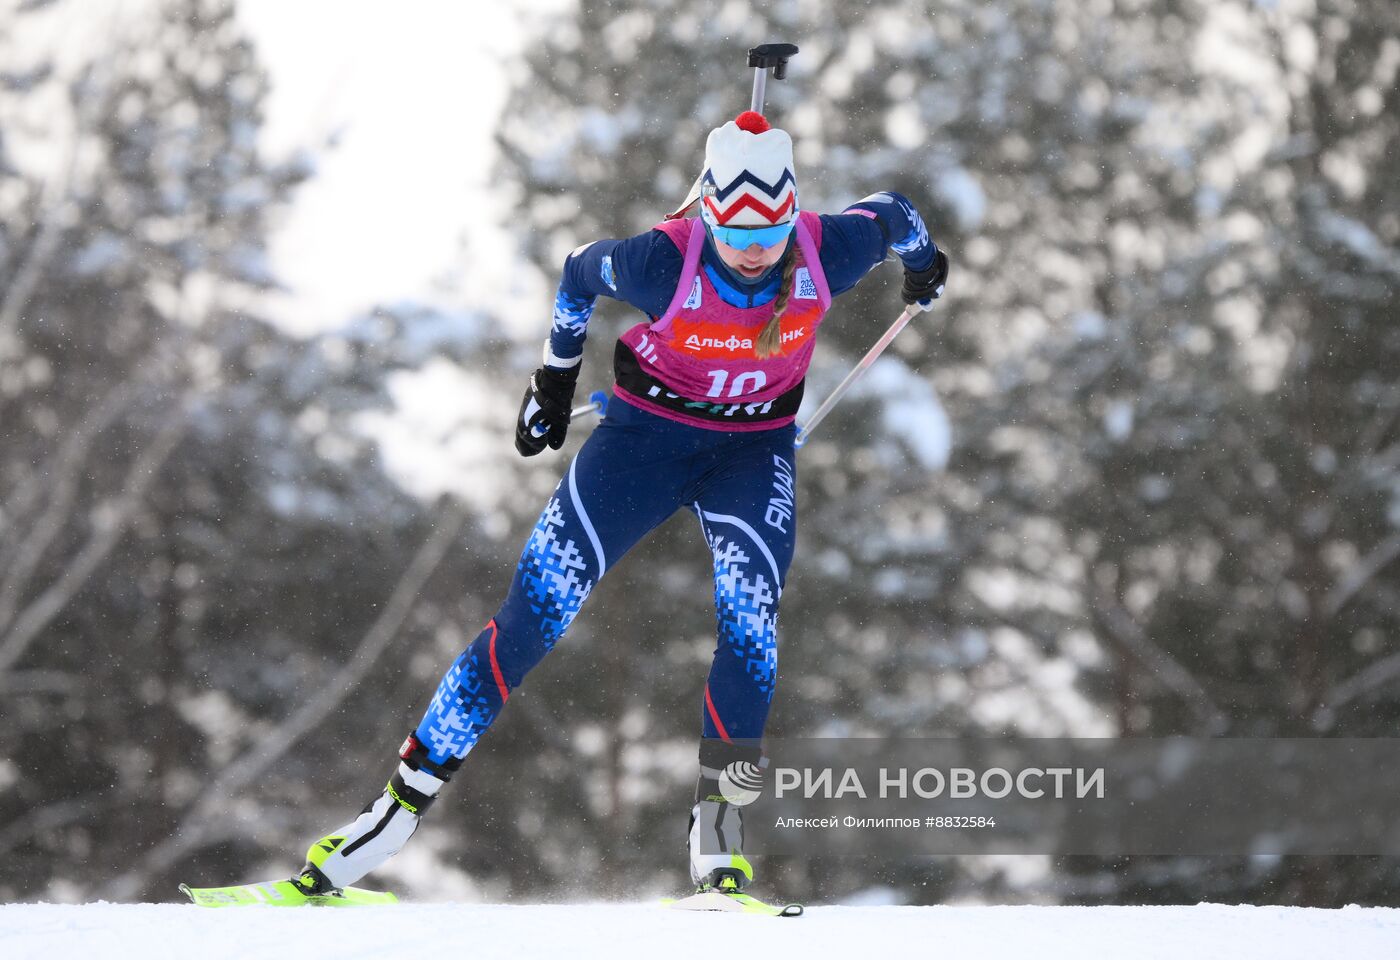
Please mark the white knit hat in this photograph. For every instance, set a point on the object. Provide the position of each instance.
(748, 179)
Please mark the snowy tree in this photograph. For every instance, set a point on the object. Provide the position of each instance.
(202, 557)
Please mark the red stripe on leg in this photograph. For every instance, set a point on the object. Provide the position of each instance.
(714, 715)
(496, 667)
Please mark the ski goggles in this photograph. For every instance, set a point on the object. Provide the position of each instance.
(741, 238)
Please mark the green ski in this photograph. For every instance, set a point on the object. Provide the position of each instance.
(727, 898)
(282, 893)
(734, 903)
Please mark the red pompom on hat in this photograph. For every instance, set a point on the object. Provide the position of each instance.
(753, 122)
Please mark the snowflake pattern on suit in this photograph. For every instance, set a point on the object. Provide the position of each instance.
(552, 571)
(746, 613)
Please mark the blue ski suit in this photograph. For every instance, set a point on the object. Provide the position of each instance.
(638, 468)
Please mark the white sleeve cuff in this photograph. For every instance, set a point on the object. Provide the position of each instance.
(559, 363)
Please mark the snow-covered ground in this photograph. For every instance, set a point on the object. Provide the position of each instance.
(613, 931)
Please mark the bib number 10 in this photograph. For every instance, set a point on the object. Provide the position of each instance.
(744, 383)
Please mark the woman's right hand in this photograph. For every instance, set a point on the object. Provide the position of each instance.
(544, 412)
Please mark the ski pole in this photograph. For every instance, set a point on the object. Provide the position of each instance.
(870, 357)
(765, 57)
(597, 403)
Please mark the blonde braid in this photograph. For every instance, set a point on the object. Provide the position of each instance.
(769, 341)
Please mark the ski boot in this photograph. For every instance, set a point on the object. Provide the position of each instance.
(730, 775)
(345, 855)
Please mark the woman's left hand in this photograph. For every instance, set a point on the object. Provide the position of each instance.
(921, 286)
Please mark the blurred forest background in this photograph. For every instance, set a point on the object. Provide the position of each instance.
(1167, 359)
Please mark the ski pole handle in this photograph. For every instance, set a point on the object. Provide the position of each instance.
(865, 362)
(597, 403)
(765, 57)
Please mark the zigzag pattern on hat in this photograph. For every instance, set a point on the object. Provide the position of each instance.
(749, 201)
(748, 186)
(774, 190)
(748, 178)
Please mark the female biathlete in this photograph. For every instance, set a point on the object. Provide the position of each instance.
(702, 419)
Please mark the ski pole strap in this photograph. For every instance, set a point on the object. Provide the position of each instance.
(865, 362)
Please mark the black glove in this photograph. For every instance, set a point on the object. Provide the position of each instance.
(544, 413)
(927, 284)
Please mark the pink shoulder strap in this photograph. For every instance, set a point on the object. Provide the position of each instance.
(689, 238)
(809, 240)
(677, 230)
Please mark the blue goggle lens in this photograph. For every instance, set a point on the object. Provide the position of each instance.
(741, 238)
